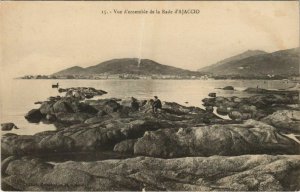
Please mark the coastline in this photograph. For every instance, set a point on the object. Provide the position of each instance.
(177, 133)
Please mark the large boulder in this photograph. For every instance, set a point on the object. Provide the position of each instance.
(62, 106)
(232, 139)
(34, 116)
(240, 173)
(285, 120)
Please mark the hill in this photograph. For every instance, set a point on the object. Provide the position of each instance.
(280, 63)
(76, 70)
(240, 56)
(128, 66)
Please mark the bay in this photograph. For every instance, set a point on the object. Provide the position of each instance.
(18, 95)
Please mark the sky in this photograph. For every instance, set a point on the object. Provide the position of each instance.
(45, 37)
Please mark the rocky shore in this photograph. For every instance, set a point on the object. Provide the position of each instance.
(239, 173)
(178, 148)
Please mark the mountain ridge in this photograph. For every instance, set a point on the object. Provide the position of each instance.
(239, 56)
(75, 70)
(128, 66)
(282, 62)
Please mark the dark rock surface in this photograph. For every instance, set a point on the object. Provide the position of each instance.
(285, 120)
(228, 88)
(34, 116)
(252, 137)
(240, 173)
(8, 126)
(81, 137)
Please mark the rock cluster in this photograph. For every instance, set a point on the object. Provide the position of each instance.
(253, 107)
(69, 110)
(82, 137)
(82, 92)
(218, 150)
(99, 124)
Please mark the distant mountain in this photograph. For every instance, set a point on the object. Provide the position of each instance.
(128, 66)
(76, 70)
(284, 62)
(240, 56)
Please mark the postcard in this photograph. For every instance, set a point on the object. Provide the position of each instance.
(150, 95)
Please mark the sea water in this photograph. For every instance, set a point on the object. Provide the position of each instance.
(18, 95)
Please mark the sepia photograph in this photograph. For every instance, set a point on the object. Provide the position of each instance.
(150, 95)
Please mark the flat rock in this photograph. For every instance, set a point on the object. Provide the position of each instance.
(252, 137)
(240, 173)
